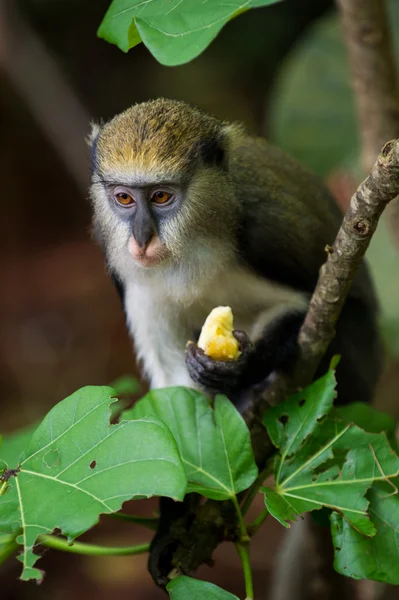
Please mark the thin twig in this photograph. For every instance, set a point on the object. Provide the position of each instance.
(57, 543)
(148, 522)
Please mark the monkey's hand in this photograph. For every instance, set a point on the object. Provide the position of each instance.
(221, 376)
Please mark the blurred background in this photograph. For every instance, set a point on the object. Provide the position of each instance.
(281, 70)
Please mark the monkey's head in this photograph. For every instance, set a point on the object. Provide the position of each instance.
(161, 190)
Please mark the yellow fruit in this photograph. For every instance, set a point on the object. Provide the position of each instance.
(217, 339)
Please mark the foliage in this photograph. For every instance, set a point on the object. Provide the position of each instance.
(325, 460)
(214, 445)
(12, 446)
(76, 466)
(182, 588)
(377, 557)
(174, 32)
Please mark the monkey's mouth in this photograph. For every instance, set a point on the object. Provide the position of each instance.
(148, 261)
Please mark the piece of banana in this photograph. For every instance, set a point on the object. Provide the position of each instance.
(217, 339)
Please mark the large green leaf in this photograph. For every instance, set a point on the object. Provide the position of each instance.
(292, 421)
(184, 587)
(175, 31)
(375, 558)
(369, 419)
(214, 445)
(8, 546)
(324, 464)
(77, 466)
(126, 384)
(12, 446)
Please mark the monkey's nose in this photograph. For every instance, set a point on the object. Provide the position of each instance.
(138, 248)
(143, 244)
(143, 232)
(150, 255)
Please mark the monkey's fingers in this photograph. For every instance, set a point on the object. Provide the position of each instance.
(213, 376)
(208, 363)
(246, 345)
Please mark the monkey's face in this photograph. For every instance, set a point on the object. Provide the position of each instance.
(146, 221)
(162, 194)
(140, 213)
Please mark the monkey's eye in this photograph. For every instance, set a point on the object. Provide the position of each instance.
(161, 197)
(124, 199)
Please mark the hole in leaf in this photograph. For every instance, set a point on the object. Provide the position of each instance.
(52, 458)
(283, 419)
(337, 549)
(93, 464)
(302, 402)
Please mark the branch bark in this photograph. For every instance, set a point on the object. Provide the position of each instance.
(211, 523)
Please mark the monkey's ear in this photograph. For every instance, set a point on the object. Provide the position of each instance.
(92, 140)
(214, 151)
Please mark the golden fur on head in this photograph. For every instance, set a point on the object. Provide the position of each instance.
(161, 135)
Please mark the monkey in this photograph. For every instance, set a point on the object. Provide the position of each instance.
(192, 213)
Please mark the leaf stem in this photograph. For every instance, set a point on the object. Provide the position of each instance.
(253, 490)
(258, 522)
(244, 537)
(149, 522)
(57, 543)
(243, 552)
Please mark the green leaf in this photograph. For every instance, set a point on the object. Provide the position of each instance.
(375, 558)
(77, 466)
(125, 385)
(13, 445)
(369, 419)
(184, 587)
(214, 445)
(292, 421)
(175, 31)
(324, 464)
(8, 546)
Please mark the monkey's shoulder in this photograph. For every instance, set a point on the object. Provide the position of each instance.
(278, 181)
(288, 217)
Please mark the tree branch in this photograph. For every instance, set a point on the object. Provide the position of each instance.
(213, 521)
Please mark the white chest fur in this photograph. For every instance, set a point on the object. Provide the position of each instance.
(161, 322)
